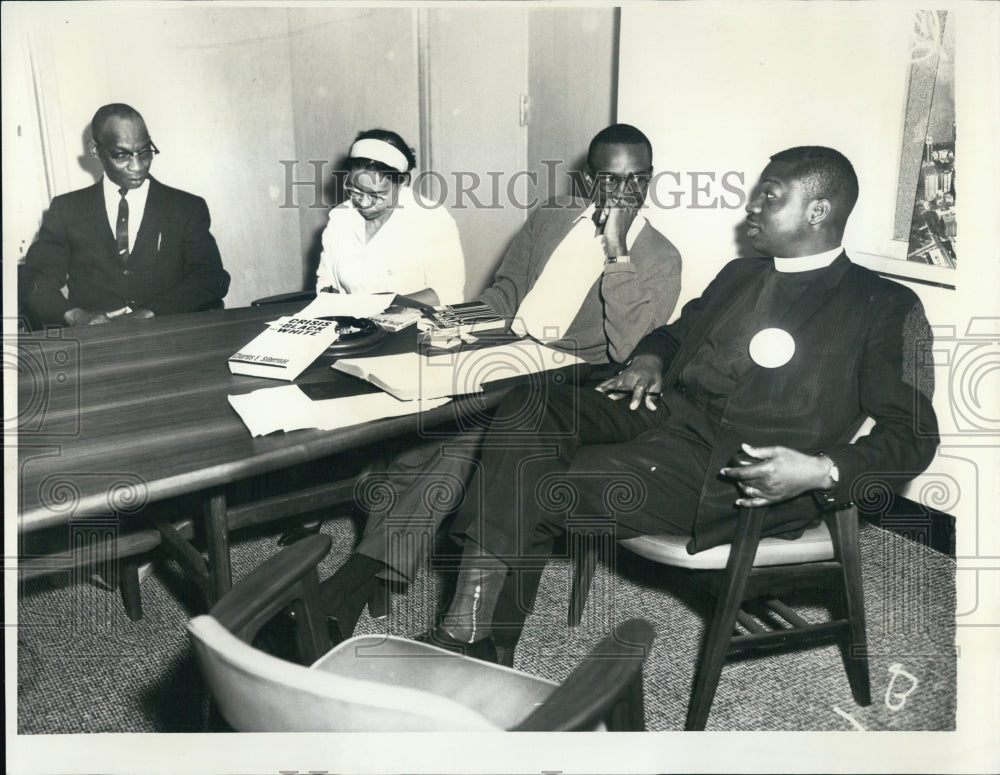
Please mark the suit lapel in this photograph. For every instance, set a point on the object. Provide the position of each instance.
(149, 227)
(97, 213)
(566, 226)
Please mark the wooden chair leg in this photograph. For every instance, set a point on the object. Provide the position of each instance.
(583, 550)
(380, 603)
(311, 631)
(720, 630)
(854, 642)
(630, 714)
(128, 585)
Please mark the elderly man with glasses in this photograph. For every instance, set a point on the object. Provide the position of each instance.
(125, 246)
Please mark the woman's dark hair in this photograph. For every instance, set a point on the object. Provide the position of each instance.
(352, 164)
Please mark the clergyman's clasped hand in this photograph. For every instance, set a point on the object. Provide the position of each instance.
(640, 381)
(766, 475)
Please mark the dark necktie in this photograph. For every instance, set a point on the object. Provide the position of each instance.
(121, 227)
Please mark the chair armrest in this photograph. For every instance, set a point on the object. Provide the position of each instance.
(283, 297)
(288, 577)
(606, 686)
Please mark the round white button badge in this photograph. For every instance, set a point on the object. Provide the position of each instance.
(772, 347)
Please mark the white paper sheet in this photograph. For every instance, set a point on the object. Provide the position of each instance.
(354, 305)
(287, 408)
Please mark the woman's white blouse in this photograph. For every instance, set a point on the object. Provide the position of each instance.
(417, 248)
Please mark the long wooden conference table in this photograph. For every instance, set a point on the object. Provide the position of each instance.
(117, 417)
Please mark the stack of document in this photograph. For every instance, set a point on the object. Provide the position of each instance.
(287, 408)
(410, 376)
(351, 305)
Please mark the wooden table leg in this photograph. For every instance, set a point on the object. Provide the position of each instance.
(217, 538)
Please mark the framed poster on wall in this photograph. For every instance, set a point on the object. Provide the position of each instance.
(924, 244)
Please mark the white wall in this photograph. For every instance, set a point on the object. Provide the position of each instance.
(215, 90)
(351, 69)
(719, 88)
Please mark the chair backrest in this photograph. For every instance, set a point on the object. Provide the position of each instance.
(383, 683)
(257, 692)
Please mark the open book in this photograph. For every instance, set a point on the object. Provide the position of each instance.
(410, 376)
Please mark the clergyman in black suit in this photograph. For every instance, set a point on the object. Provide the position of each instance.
(127, 245)
(776, 364)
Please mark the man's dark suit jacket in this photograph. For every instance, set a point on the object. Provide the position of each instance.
(174, 265)
(862, 346)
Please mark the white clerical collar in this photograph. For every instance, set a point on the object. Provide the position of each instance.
(633, 230)
(806, 263)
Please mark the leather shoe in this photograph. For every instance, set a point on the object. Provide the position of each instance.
(333, 628)
(483, 649)
(299, 532)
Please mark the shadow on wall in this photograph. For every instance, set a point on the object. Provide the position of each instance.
(333, 195)
(742, 242)
(88, 163)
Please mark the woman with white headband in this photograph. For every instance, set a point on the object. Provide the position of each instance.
(382, 240)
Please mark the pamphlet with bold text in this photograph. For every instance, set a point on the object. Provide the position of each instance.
(285, 349)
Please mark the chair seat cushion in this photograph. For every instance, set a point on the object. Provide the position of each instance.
(257, 692)
(500, 694)
(813, 545)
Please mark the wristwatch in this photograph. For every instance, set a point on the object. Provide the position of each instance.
(826, 495)
(623, 259)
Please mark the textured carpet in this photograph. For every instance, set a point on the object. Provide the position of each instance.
(84, 667)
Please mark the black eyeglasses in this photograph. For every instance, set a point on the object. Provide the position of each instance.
(609, 183)
(358, 195)
(124, 157)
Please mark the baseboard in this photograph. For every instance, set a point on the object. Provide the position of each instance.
(917, 523)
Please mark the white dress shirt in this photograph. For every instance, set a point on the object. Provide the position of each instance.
(417, 247)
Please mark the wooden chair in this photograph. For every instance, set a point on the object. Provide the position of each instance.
(383, 683)
(748, 570)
